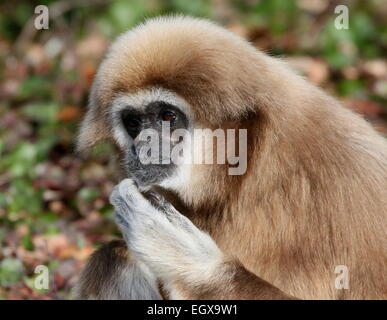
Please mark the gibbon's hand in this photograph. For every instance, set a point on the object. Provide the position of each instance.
(165, 240)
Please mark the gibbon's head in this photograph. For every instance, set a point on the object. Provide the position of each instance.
(187, 72)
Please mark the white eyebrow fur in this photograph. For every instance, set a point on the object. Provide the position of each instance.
(139, 101)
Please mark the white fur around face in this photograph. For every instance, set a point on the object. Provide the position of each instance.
(166, 241)
(180, 180)
(139, 101)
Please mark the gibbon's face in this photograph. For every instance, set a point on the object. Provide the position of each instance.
(184, 72)
(147, 126)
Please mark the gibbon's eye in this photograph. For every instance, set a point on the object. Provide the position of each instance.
(133, 123)
(130, 119)
(168, 116)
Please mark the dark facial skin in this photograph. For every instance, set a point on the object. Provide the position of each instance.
(152, 117)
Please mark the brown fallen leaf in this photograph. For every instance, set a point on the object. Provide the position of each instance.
(315, 69)
(69, 113)
(367, 108)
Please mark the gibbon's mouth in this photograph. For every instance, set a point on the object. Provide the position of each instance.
(146, 175)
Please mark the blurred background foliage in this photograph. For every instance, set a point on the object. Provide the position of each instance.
(53, 203)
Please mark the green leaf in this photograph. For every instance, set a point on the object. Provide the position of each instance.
(43, 112)
(36, 87)
(351, 87)
(89, 193)
(11, 271)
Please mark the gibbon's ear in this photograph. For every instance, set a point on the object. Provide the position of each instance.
(91, 132)
(93, 128)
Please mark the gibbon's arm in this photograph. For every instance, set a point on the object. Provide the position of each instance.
(185, 260)
(112, 273)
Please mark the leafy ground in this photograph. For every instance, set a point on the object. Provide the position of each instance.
(53, 203)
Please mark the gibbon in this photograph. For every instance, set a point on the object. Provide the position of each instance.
(312, 200)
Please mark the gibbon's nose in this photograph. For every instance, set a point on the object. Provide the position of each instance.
(134, 151)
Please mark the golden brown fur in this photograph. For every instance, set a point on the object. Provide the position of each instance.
(314, 195)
